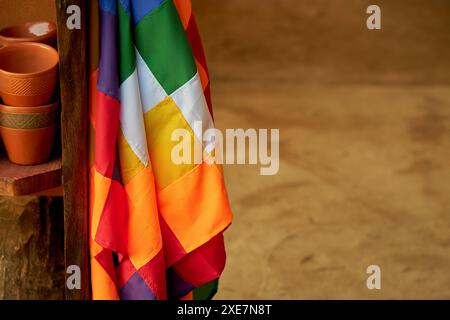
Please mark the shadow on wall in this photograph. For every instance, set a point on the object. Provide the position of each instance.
(326, 41)
(19, 11)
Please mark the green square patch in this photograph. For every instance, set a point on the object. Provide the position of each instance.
(163, 44)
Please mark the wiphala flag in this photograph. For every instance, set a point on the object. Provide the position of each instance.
(156, 228)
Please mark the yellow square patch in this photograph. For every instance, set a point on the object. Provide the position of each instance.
(160, 122)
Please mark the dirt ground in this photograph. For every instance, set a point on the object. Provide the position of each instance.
(364, 119)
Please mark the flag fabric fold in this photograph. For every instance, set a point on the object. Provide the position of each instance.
(156, 228)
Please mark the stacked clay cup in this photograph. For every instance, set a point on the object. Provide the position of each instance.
(28, 114)
(37, 31)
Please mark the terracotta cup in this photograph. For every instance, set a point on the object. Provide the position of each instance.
(36, 31)
(28, 133)
(28, 74)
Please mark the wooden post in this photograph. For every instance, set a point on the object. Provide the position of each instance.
(73, 83)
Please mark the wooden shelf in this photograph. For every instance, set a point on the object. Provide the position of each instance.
(54, 177)
(42, 179)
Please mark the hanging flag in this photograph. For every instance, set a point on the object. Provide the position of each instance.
(156, 227)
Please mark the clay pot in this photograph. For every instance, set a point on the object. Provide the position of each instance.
(28, 132)
(28, 74)
(38, 31)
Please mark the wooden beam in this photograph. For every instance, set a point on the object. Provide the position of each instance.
(73, 77)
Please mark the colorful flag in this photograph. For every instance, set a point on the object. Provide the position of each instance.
(156, 227)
